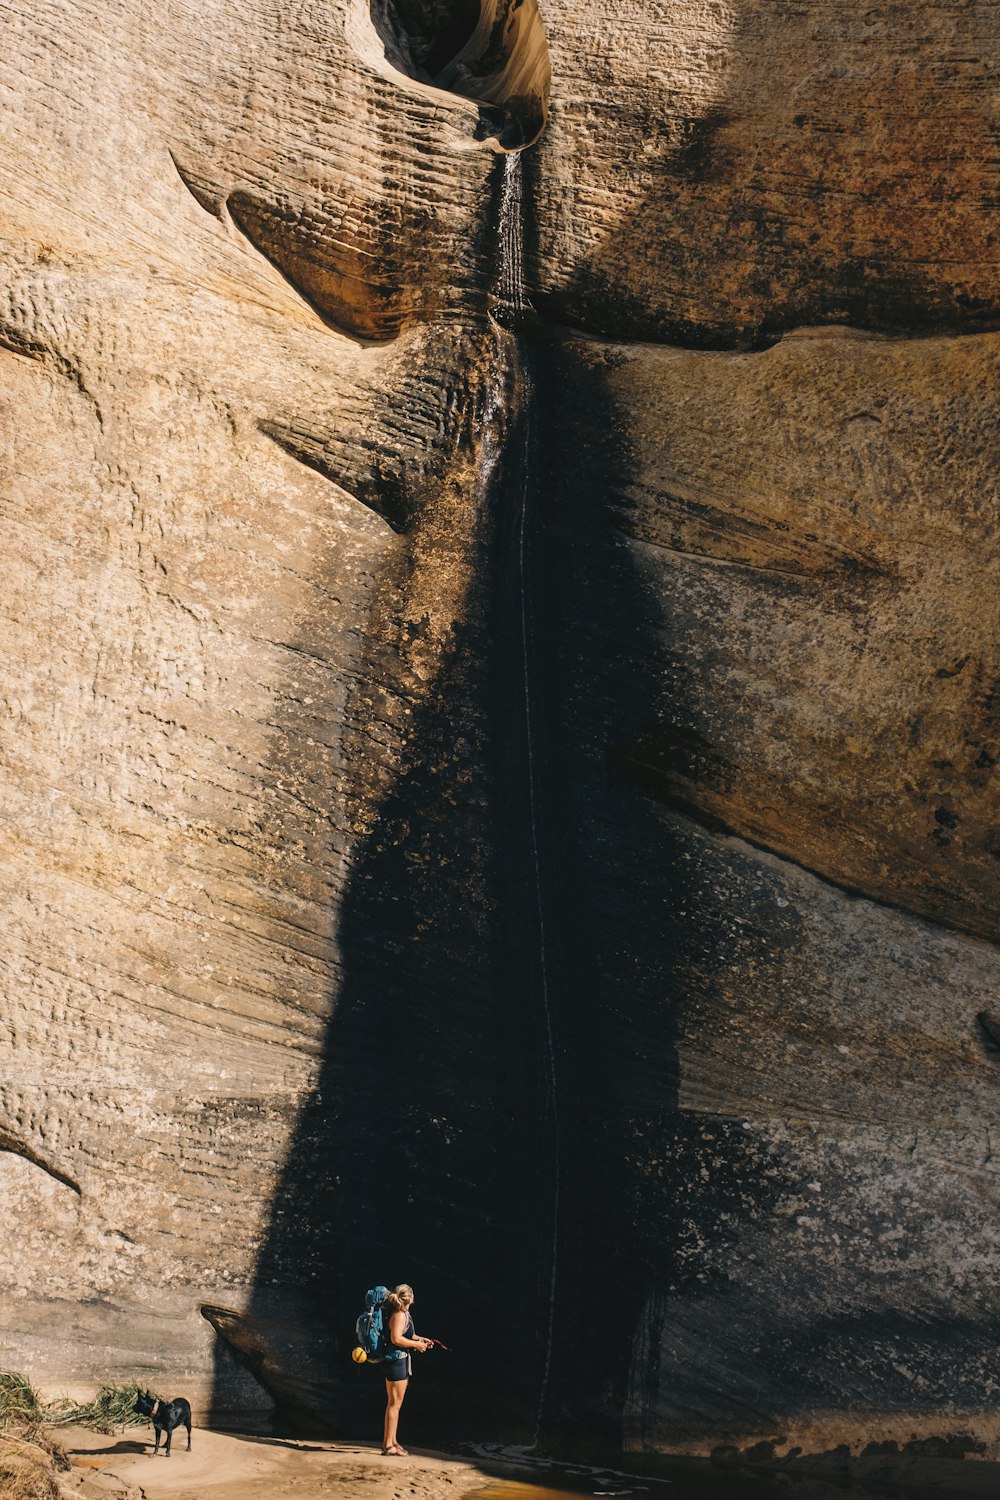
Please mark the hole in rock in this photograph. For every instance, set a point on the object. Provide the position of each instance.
(491, 51)
(427, 35)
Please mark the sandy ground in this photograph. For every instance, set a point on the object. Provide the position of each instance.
(223, 1466)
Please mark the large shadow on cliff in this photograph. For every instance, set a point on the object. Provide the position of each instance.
(446, 1142)
(432, 1149)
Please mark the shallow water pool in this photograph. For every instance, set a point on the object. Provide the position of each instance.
(510, 1490)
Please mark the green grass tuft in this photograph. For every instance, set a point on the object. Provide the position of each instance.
(23, 1414)
(113, 1406)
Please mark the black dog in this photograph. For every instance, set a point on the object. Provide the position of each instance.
(165, 1416)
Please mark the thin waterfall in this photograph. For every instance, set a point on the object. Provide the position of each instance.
(511, 237)
(509, 309)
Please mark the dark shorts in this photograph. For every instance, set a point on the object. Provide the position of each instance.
(397, 1369)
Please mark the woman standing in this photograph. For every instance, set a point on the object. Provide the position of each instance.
(396, 1362)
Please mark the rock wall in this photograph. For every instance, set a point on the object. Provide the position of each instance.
(338, 946)
(715, 174)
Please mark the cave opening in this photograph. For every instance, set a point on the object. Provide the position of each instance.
(493, 52)
(428, 34)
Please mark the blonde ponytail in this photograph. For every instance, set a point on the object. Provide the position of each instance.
(400, 1298)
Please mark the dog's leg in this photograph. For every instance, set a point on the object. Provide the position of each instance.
(188, 1425)
(166, 1451)
(156, 1445)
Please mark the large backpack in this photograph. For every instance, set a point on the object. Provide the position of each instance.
(371, 1326)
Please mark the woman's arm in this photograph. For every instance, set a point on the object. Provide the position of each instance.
(396, 1325)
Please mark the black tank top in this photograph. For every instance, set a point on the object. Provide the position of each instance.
(395, 1353)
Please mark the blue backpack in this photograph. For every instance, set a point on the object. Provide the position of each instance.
(371, 1328)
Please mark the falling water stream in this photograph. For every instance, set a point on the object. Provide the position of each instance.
(511, 236)
(509, 309)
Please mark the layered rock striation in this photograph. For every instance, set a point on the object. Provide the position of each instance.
(509, 810)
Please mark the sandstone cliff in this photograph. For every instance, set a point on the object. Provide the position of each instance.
(683, 1013)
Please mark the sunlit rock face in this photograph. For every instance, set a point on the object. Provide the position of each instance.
(623, 999)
